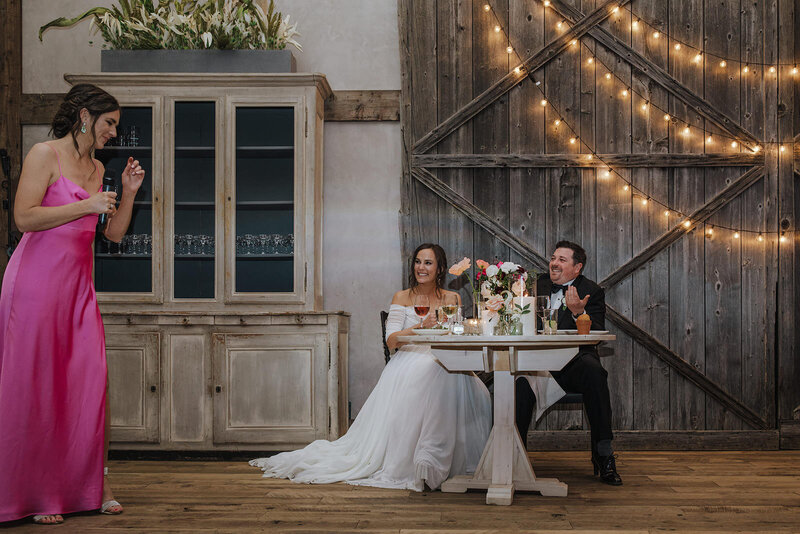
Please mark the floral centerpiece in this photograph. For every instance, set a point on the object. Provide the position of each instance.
(501, 286)
(188, 25)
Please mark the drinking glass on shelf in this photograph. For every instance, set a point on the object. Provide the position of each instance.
(133, 136)
(422, 306)
(290, 244)
(148, 244)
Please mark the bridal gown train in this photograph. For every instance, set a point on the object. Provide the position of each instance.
(421, 424)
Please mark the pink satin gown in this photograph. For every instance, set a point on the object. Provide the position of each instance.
(52, 370)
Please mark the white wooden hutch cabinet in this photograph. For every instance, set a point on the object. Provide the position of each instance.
(215, 333)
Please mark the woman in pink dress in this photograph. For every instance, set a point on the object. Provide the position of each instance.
(53, 411)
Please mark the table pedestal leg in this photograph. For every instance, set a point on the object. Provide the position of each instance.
(504, 466)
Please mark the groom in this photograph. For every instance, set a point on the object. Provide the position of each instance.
(573, 294)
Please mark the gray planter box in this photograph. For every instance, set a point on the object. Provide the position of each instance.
(197, 61)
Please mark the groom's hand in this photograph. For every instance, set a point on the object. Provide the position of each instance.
(575, 304)
(428, 322)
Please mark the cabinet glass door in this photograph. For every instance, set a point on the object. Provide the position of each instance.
(194, 200)
(127, 267)
(265, 194)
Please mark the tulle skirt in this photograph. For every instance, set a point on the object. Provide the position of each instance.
(420, 425)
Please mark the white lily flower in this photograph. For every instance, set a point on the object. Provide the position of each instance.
(207, 39)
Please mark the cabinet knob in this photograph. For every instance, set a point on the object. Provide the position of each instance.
(153, 389)
(219, 389)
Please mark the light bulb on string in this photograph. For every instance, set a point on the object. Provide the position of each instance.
(746, 69)
(573, 42)
(772, 70)
(509, 49)
(757, 148)
(709, 140)
(487, 7)
(615, 9)
(635, 25)
(590, 60)
(559, 24)
(543, 102)
(794, 71)
(517, 70)
(656, 35)
(686, 131)
(782, 238)
(736, 235)
(734, 144)
(625, 187)
(723, 63)
(644, 106)
(698, 57)
(687, 224)
(624, 93)
(608, 75)
(607, 173)
(783, 148)
(557, 122)
(667, 117)
(645, 201)
(497, 29)
(588, 157)
(760, 237)
(546, 3)
(573, 140)
(666, 213)
(710, 231)
(677, 46)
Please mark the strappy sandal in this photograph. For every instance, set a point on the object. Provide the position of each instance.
(39, 519)
(107, 506)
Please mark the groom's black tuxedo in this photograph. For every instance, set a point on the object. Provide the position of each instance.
(583, 374)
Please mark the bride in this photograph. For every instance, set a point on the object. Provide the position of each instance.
(420, 425)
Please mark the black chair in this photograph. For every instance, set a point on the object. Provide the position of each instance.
(386, 352)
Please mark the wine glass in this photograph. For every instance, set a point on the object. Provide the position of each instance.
(449, 306)
(422, 305)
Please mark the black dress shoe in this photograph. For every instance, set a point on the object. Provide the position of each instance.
(606, 467)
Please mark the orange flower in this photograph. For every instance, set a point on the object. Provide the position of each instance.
(482, 265)
(459, 268)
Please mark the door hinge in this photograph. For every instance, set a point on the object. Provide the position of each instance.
(305, 278)
(306, 116)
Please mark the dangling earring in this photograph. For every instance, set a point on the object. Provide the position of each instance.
(83, 128)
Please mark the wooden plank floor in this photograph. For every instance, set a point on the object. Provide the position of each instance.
(677, 491)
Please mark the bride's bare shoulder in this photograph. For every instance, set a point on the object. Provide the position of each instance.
(403, 298)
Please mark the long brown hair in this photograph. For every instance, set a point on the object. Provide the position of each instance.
(441, 266)
(68, 117)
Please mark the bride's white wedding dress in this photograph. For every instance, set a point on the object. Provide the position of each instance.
(421, 424)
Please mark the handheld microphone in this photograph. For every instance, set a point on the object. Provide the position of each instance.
(108, 185)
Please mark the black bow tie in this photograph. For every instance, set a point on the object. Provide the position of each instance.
(556, 288)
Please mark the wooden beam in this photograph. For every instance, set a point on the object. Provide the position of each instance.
(347, 106)
(343, 106)
(660, 76)
(579, 160)
(664, 440)
(480, 217)
(687, 370)
(699, 216)
(510, 80)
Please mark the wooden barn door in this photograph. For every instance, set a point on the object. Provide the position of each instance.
(659, 135)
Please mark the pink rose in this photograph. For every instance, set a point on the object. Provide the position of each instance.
(495, 302)
(518, 287)
(459, 268)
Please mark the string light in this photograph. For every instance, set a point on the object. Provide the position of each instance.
(624, 93)
(656, 35)
(723, 63)
(709, 140)
(783, 148)
(760, 237)
(635, 25)
(794, 71)
(573, 42)
(782, 238)
(636, 193)
(560, 23)
(487, 7)
(546, 3)
(757, 148)
(710, 231)
(698, 57)
(746, 68)
(734, 144)
(772, 70)
(736, 235)
(686, 131)
(615, 9)
(677, 46)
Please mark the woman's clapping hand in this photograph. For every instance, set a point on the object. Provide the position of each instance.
(132, 176)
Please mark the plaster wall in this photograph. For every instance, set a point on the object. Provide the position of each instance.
(355, 44)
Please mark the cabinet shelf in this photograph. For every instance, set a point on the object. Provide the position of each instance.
(195, 151)
(122, 256)
(264, 204)
(265, 151)
(264, 256)
(194, 256)
(118, 148)
(192, 204)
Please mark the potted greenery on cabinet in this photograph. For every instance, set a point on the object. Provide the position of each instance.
(191, 36)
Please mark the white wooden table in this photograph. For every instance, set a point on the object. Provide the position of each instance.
(504, 466)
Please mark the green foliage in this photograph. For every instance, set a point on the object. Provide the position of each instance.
(187, 24)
